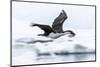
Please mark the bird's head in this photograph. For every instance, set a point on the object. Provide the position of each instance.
(70, 33)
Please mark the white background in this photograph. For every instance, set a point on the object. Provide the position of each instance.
(5, 33)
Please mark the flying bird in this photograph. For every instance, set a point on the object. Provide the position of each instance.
(56, 30)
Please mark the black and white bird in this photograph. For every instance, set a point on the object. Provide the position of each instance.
(56, 30)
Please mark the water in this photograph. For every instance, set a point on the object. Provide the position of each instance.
(23, 55)
(67, 58)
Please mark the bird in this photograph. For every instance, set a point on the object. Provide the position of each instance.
(56, 30)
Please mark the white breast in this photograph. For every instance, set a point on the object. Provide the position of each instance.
(56, 35)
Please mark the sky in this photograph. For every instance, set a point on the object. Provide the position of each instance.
(24, 13)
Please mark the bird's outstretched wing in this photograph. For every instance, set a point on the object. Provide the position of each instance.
(46, 28)
(58, 22)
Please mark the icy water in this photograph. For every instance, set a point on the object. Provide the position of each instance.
(23, 55)
(68, 58)
(26, 52)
